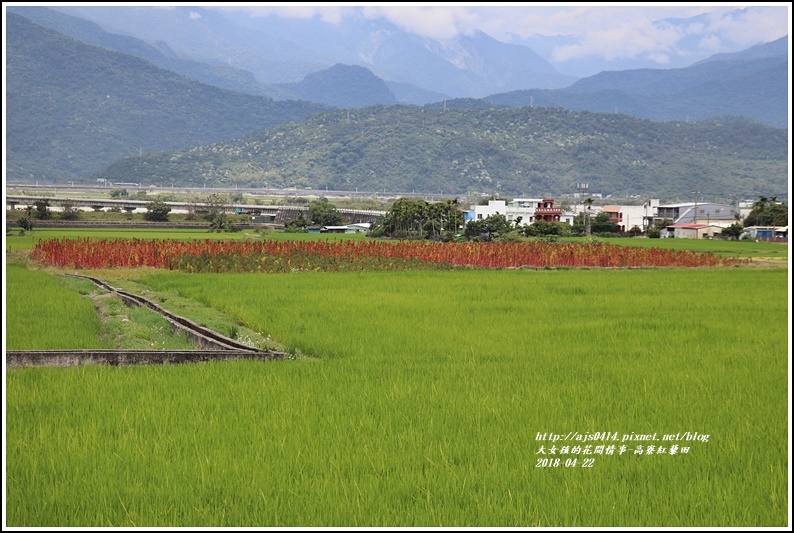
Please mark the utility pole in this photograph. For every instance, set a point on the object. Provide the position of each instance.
(582, 188)
(736, 211)
(695, 215)
(589, 202)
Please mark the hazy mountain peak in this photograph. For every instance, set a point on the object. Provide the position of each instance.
(341, 85)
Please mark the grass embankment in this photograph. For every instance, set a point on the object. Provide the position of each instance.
(422, 405)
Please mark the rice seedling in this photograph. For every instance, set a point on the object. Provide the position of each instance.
(430, 399)
(42, 313)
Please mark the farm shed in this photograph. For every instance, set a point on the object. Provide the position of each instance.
(334, 229)
(766, 232)
(694, 231)
(361, 227)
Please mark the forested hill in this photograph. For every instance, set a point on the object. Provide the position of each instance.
(72, 109)
(514, 151)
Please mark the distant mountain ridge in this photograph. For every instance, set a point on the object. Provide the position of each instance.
(268, 48)
(341, 86)
(158, 53)
(73, 108)
(336, 86)
(753, 83)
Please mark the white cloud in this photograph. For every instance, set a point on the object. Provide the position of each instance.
(635, 37)
(659, 58)
(328, 13)
(194, 15)
(439, 22)
(751, 26)
(711, 43)
(611, 32)
(571, 20)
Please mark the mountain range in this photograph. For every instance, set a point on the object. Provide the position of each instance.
(79, 97)
(279, 50)
(72, 108)
(752, 84)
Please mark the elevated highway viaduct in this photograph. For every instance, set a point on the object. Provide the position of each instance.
(276, 214)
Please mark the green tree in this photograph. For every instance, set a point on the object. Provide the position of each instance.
(416, 218)
(635, 231)
(541, 228)
(214, 205)
(767, 212)
(222, 222)
(601, 224)
(157, 211)
(734, 231)
(296, 225)
(442, 220)
(43, 209)
(474, 230)
(325, 213)
(119, 193)
(406, 218)
(26, 222)
(489, 228)
(451, 215)
(69, 211)
(661, 224)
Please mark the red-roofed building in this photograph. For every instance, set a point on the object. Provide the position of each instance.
(694, 231)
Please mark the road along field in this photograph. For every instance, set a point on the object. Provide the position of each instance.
(430, 398)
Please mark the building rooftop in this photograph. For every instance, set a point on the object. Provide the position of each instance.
(689, 226)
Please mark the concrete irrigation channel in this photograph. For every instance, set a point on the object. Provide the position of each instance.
(20, 359)
(212, 345)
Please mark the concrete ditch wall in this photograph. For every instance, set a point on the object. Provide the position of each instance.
(64, 358)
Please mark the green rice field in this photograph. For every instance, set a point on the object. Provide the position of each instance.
(754, 250)
(430, 399)
(42, 314)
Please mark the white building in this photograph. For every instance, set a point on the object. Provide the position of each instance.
(523, 211)
(629, 216)
(698, 213)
